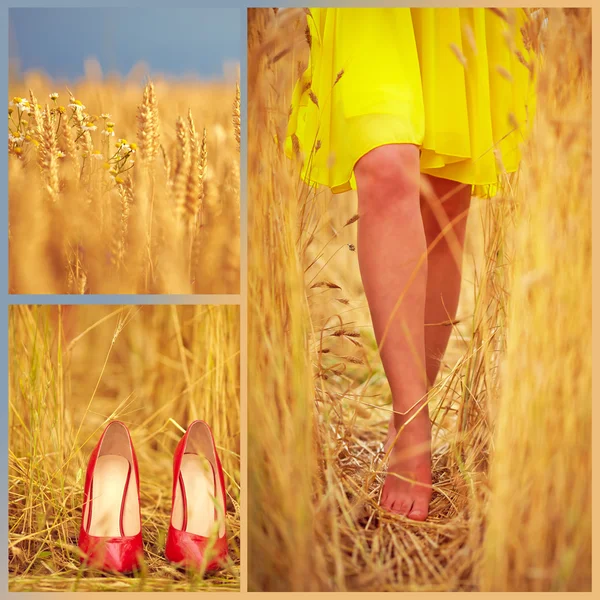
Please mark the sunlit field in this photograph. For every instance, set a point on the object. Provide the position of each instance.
(72, 369)
(121, 186)
(511, 409)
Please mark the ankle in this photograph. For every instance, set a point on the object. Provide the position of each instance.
(411, 452)
(415, 419)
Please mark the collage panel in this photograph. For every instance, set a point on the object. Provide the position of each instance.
(124, 150)
(124, 448)
(419, 301)
(344, 346)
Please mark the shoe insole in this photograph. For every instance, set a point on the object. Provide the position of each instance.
(108, 488)
(199, 493)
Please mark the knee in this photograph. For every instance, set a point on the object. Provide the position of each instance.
(388, 177)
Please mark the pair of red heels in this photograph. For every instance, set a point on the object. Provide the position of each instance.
(110, 536)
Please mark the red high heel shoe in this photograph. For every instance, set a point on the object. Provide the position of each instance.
(111, 526)
(197, 538)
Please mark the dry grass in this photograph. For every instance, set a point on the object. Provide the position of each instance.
(71, 370)
(512, 407)
(157, 212)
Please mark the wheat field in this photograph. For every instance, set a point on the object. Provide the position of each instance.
(72, 369)
(511, 410)
(118, 186)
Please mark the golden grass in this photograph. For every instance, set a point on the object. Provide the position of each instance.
(71, 370)
(541, 471)
(511, 410)
(137, 192)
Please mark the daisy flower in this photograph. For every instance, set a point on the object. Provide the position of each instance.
(123, 148)
(21, 104)
(60, 154)
(89, 126)
(97, 155)
(15, 139)
(53, 96)
(76, 104)
(108, 132)
(105, 116)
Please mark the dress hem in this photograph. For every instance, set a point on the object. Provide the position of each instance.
(346, 186)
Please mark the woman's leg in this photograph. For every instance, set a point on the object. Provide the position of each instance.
(442, 202)
(391, 243)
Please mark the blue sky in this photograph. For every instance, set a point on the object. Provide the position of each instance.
(177, 42)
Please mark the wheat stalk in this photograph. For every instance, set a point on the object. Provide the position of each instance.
(48, 154)
(148, 125)
(183, 167)
(194, 178)
(236, 115)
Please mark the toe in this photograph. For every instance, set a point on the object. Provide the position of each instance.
(419, 510)
(402, 506)
(385, 502)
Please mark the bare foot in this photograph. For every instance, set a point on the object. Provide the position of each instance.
(411, 460)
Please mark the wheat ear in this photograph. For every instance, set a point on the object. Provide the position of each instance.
(148, 125)
(236, 116)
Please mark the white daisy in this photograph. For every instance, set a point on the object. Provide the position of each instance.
(53, 95)
(21, 104)
(89, 127)
(76, 104)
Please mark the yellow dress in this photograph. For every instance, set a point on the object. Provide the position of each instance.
(456, 82)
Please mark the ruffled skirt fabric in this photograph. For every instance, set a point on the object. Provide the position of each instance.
(456, 82)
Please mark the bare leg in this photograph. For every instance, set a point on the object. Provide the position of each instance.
(391, 242)
(447, 201)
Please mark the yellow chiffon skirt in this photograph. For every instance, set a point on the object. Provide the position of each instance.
(456, 82)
